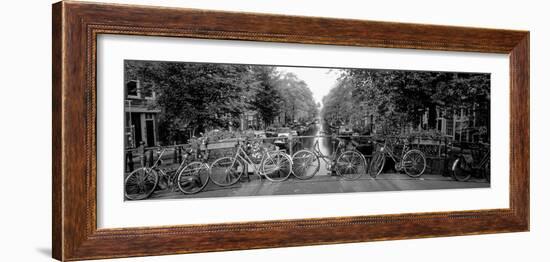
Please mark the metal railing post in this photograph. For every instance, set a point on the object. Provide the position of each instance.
(129, 162)
(175, 156)
(290, 146)
(141, 151)
(150, 156)
(446, 159)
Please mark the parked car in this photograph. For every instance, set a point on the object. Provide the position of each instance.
(270, 134)
(345, 131)
(260, 134)
(282, 137)
(283, 132)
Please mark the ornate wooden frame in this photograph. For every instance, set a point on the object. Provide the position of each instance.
(76, 26)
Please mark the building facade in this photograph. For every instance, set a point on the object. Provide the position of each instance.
(140, 115)
(461, 125)
(250, 120)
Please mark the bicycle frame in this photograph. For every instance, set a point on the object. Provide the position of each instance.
(243, 156)
(157, 162)
(485, 159)
(464, 167)
(388, 150)
(161, 171)
(317, 151)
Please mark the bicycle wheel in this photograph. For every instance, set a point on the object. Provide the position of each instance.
(277, 166)
(193, 178)
(377, 164)
(141, 183)
(305, 164)
(462, 171)
(226, 171)
(350, 165)
(414, 163)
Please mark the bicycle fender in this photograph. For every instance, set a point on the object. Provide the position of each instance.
(455, 164)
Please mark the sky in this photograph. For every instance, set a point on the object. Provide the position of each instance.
(319, 80)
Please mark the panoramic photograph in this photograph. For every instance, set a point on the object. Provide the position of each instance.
(202, 130)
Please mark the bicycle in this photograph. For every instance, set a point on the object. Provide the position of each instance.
(464, 166)
(348, 164)
(194, 177)
(275, 165)
(412, 161)
(142, 182)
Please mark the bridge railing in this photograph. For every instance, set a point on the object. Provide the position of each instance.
(435, 149)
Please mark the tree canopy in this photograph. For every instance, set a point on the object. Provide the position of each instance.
(397, 97)
(297, 99)
(194, 97)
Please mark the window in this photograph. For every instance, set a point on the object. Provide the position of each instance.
(128, 119)
(132, 88)
(449, 127)
(147, 91)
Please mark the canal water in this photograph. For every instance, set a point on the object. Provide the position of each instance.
(325, 145)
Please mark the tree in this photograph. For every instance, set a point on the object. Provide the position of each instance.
(398, 98)
(266, 99)
(194, 97)
(197, 97)
(297, 99)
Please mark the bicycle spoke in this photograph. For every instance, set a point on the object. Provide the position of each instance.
(190, 180)
(140, 184)
(414, 163)
(226, 171)
(348, 165)
(132, 180)
(305, 164)
(356, 160)
(310, 160)
(277, 168)
(299, 169)
(279, 159)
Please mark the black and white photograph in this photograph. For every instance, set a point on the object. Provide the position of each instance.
(275, 131)
(197, 130)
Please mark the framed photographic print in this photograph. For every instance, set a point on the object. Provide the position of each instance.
(181, 130)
